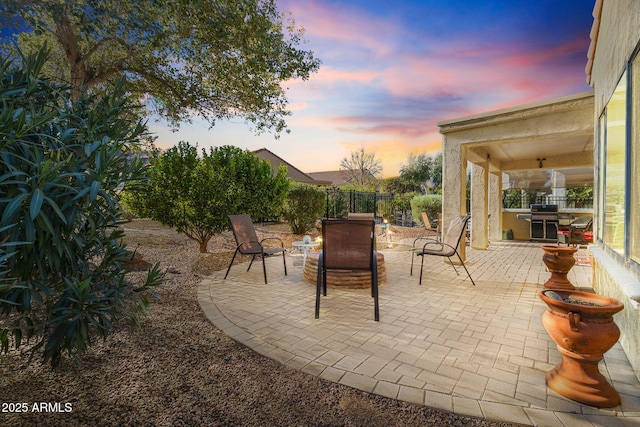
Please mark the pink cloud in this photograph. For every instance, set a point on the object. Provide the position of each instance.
(332, 75)
(341, 25)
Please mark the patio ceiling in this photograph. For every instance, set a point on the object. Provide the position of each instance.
(514, 140)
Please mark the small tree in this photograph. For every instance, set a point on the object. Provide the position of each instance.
(423, 170)
(397, 185)
(62, 166)
(305, 205)
(196, 193)
(361, 169)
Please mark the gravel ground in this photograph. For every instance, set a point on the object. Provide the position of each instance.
(177, 369)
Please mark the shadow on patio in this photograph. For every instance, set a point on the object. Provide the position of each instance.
(478, 351)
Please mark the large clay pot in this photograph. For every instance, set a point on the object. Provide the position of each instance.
(583, 334)
(559, 260)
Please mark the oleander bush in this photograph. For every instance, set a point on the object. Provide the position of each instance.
(63, 165)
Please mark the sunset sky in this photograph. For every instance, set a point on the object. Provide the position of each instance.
(391, 70)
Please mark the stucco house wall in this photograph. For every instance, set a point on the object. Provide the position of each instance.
(615, 36)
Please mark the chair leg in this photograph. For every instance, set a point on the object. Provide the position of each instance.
(465, 269)
(284, 261)
(413, 255)
(264, 267)
(421, 265)
(318, 284)
(324, 282)
(374, 290)
(452, 265)
(251, 263)
(230, 264)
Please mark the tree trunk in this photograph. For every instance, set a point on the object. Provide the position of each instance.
(65, 35)
(203, 245)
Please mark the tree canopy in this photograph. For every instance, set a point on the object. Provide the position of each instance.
(218, 60)
(423, 170)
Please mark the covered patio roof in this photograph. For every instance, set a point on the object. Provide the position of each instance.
(556, 134)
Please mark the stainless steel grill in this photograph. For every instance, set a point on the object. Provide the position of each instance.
(544, 222)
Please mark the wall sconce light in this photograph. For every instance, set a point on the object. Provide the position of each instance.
(540, 160)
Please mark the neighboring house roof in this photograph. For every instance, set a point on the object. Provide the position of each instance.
(292, 172)
(336, 178)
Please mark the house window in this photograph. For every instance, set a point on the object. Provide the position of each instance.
(615, 167)
(634, 154)
(618, 160)
(599, 164)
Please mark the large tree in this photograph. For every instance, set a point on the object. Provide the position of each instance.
(195, 192)
(361, 168)
(220, 59)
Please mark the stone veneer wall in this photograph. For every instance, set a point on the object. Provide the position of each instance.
(612, 280)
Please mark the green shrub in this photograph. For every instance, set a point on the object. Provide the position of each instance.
(62, 167)
(305, 204)
(429, 203)
(402, 202)
(195, 192)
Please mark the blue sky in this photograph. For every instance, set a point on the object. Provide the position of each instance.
(392, 70)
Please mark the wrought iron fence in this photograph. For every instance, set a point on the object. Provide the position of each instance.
(339, 203)
(523, 199)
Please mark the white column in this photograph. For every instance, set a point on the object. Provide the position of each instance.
(559, 188)
(495, 206)
(479, 206)
(454, 174)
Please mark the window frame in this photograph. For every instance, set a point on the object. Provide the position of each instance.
(626, 254)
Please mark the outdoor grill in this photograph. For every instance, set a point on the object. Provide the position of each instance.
(544, 222)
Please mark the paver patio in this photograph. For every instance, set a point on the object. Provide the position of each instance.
(478, 351)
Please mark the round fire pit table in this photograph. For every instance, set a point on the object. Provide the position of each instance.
(346, 279)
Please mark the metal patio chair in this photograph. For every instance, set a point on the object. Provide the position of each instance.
(447, 247)
(429, 230)
(248, 243)
(347, 244)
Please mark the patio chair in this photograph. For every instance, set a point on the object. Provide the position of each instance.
(347, 244)
(248, 243)
(430, 231)
(577, 230)
(447, 247)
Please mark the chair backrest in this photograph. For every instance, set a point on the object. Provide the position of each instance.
(584, 222)
(348, 244)
(244, 231)
(427, 223)
(457, 228)
(354, 215)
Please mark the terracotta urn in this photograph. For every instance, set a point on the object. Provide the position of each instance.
(581, 324)
(559, 260)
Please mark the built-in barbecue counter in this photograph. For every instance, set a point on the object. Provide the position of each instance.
(540, 222)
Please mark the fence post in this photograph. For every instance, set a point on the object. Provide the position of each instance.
(375, 204)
